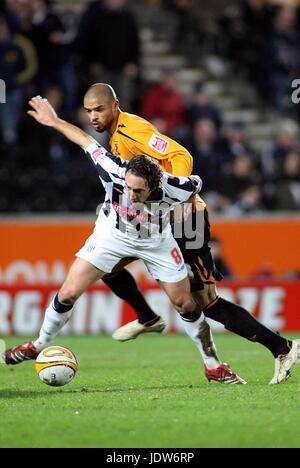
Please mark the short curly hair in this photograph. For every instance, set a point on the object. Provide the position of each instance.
(147, 168)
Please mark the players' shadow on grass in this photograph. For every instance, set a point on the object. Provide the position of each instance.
(6, 394)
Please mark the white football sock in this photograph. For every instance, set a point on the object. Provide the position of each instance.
(208, 352)
(52, 324)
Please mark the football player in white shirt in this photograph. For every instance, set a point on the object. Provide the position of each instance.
(133, 222)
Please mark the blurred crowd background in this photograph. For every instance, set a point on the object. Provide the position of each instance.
(214, 75)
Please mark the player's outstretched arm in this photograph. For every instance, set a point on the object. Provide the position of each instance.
(43, 112)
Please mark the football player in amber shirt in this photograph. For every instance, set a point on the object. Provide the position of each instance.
(131, 135)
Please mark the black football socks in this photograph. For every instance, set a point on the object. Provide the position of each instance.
(242, 323)
(124, 286)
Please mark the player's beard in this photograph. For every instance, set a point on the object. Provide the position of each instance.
(99, 129)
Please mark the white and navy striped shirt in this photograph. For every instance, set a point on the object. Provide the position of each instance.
(140, 221)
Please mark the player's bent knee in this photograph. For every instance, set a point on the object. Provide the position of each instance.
(205, 297)
(211, 293)
(184, 304)
(68, 295)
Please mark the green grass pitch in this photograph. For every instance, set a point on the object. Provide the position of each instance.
(150, 392)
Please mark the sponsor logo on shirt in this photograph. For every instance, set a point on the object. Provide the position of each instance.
(130, 213)
(98, 154)
(158, 143)
(135, 214)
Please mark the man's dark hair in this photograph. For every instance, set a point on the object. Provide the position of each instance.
(147, 168)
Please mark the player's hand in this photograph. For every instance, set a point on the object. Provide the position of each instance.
(42, 111)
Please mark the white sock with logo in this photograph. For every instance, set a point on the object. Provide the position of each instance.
(206, 347)
(52, 324)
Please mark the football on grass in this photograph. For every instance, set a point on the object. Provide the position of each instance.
(56, 366)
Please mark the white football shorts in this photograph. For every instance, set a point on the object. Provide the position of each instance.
(163, 259)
